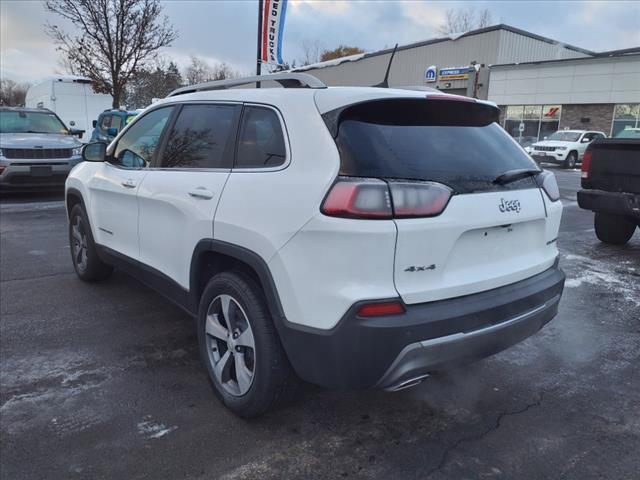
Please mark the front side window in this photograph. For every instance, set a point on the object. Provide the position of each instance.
(261, 141)
(136, 147)
(202, 137)
(105, 122)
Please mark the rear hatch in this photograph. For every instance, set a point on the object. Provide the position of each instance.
(614, 165)
(492, 232)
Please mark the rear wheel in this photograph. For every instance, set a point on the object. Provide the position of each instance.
(613, 229)
(84, 255)
(247, 366)
(571, 160)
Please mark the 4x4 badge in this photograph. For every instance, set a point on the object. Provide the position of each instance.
(509, 205)
(420, 268)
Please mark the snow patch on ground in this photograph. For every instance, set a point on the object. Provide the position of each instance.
(151, 429)
(595, 272)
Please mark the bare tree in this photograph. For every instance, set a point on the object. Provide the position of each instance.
(197, 71)
(13, 94)
(465, 19)
(311, 51)
(116, 39)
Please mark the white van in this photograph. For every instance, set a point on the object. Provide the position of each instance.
(72, 98)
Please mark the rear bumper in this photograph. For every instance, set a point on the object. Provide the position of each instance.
(383, 352)
(616, 203)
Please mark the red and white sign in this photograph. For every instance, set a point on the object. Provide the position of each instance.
(273, 14)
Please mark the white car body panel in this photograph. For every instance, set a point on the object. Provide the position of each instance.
(262, 209)
(332, 263)
(113, 209)
(472, 246)
(172, 220)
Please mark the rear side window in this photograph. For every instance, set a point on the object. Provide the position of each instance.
(261, 142)
(202, 137)
(454, 143)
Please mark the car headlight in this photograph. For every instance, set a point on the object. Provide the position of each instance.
(76, 151)
(561, 148)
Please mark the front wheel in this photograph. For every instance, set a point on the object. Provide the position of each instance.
(571, 160)
(84, 255)
(614, 229)
(247, 366)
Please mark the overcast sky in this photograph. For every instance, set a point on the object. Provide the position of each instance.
(225, 31)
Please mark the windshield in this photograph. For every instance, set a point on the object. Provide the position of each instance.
(629, 133)
(561, 136)
(30, 122)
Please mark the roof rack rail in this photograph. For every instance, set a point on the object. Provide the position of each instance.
(287, 80)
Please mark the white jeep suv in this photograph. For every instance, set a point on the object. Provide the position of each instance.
(352, 237)
(564, 147)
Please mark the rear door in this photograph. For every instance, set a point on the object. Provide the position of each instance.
(179, 197)
(490, 233)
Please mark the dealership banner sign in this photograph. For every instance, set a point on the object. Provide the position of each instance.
(453, 73)
(273, 14)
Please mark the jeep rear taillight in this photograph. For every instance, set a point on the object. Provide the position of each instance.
(358, 198)
(586, 164)
(418, 199)
(377, 199)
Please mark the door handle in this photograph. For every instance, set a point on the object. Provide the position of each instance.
(129, 183)
(201, 192)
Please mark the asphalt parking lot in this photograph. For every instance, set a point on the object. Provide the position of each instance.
(104, 381)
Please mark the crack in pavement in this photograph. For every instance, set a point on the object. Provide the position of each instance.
(447, 451)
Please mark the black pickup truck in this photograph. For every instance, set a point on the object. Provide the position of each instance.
(611, 185)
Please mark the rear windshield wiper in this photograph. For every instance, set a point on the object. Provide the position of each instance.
(513, 175)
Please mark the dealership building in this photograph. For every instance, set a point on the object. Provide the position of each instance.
(541, 85)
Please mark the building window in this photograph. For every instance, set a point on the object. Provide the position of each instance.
(529, 123)
(625, 115)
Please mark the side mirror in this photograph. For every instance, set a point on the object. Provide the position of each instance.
(112, 132)
(585, 140)
(76, 132)
(94, 123)
(94, 152)
(544, 138)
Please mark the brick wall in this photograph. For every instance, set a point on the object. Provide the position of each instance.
(600, 115)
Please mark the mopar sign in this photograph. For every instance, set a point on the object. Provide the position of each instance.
(457, 73)
(430, 75)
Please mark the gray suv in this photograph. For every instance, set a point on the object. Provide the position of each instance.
(36, 148)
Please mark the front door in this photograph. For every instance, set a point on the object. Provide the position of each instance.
(178, 198)
(114, 187)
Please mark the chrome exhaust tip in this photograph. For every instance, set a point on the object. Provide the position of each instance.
(411, 382)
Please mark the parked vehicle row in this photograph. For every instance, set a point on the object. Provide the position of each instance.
(352, 237)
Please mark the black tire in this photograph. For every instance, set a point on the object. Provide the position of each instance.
(571, 160)
(613, 229)
(92, 269)
(273, 382)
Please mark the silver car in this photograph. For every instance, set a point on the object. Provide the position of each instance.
(36, 148)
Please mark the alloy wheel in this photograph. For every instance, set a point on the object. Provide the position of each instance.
(230, 345)
(79, 243)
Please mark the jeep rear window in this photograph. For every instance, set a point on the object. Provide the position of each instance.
(456, 143)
